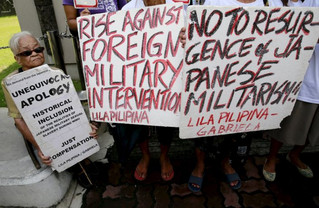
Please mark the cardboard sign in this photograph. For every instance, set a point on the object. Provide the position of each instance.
(182, 1)
(78, 4)
(50, 106)
(243, 67)
(132, 63)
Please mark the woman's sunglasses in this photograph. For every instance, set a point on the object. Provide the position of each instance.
(29, 52)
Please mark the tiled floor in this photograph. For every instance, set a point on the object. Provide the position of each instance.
(117, 187)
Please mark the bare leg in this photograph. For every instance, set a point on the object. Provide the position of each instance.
(200, 165)
(270, 164)
(142, 167)
(166, 166)
(294, 156)
(228, 169)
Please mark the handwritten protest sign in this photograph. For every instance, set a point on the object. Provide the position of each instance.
(85, 3)
(132, 63)
(243, 67)
(50, 106)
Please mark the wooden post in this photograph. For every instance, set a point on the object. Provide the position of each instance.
(47, 19)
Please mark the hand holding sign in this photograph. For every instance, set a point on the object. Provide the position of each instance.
(85, 12)
(182, 36)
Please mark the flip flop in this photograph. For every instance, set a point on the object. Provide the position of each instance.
(138, 177)
(170, 176)
(306, 172)
(195, 180)
(170, 173)
(269, 176)
(233, 177)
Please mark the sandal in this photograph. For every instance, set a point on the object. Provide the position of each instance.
(269, 176)
(231, 178)
(137, 173)
(195, 181)
(170, 176)
(305, 172)
(138, 177)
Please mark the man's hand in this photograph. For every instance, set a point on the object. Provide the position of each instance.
(182, 36)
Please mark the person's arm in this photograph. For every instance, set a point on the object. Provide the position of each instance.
(71, 15)
(25, 131)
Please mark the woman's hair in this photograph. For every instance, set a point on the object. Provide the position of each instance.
(14, 41)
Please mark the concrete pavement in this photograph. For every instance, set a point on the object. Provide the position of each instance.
(116, 186)
(21, 184)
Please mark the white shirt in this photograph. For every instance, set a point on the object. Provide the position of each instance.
(237, 3)
(309, 91)
(306, 3)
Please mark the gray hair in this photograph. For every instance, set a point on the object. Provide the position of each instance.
(14, 41)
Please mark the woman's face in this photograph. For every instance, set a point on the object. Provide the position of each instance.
(28, 43)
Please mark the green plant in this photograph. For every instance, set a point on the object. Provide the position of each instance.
(77, 85)
(9, 25)
(3, 74)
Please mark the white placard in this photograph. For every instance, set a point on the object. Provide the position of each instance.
(78, 4)
(243, 67)
(50, 106)
(132, 63)
(182, 1)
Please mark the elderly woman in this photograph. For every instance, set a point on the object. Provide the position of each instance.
(29, 54)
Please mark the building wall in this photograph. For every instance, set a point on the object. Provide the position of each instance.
(67, 44)
(28, 19)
